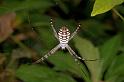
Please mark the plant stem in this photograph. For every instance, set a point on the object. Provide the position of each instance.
(118, 14)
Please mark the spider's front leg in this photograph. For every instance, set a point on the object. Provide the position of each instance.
(53, 28)
(75, 32)
(48, 54)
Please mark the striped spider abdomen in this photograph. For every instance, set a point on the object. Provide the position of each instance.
(63, 35)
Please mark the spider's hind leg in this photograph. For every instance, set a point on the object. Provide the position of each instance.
(48, 54)
(76, 56)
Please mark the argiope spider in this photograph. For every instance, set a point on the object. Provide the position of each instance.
(64, 37)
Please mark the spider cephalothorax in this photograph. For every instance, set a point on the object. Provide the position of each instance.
(64, 37)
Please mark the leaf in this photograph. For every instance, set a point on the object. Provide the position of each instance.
(35, 73)
(46, 36)
(6, 25)
(25, 5)
(38, 20)
(65, 62)
(89, 52)
(108, 51)
(116, 68)
(101, 6)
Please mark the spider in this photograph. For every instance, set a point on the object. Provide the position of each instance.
(63, 36)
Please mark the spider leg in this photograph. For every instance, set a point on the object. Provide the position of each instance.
(53, 28)
(48, 54)
(76, 60)
(76, 56)
(75, 32)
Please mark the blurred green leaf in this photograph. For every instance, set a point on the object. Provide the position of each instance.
(120, 78)
(25, 5)
(108, 51)
(116, 68)
(89, 52)
(44, 31)
(65, 62)
(35, 73)
(101, 6)
(40, 20)
(46, 37)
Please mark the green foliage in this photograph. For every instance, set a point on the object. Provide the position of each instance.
(65, 62)
(116, 69)
(25, 5)
(101, 6)
(89, 52)
(109, 51)
(39, 73)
